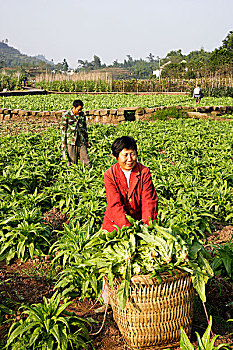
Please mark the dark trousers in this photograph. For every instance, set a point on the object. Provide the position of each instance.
(198, 98)
(75, 152)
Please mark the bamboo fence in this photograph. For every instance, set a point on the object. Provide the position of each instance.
(92, 76)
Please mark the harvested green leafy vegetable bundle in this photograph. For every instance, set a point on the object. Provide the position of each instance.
(142, 249)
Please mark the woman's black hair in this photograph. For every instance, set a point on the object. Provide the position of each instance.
(77, 103)
(123, 142)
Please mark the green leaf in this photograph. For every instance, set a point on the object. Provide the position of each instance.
(206, 335)
(63, 320)
(50, 343)
(211, 344)
(130, 219)
(47, 323)
(110, 276)
(194, 249)
(199, 342)
(132, 240)
(11, 254)
(122, 293)
(31, 250)
(206, 264)
(227, 261)
(63, 307)
(55, 332)
(34, 336)
(64, 338)
(128, 272)
(216, 263)
(19, 331)
(185, 343)
(229, 217)
(123, 290)
(199, 281)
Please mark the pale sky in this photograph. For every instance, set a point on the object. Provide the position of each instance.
(80, 29)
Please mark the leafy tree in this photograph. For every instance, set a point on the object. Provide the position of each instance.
(130, 58)
(174, 56)
(58, 67)
(227, 43)
(197, 63)
(197, 57)
(116, 63)
(223, 56)
(142, 70)
(96, 62)
(151, 57)
(174, 70)
(83, 65)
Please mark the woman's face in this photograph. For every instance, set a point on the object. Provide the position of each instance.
(127, 159)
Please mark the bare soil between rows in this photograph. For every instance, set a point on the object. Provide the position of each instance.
(25, 283)
(36, 124)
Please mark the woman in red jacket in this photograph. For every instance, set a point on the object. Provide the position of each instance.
(129, 190)
(129, 187)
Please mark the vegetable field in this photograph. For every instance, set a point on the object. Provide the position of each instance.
(60, 102)
(191, 162)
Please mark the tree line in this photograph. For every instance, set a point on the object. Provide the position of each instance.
(196, 64)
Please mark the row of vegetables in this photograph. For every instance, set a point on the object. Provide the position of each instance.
(192, 168)
(60, 102)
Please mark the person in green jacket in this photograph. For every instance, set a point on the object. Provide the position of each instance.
(74, 136)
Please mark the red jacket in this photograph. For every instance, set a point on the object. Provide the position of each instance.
(139, 200)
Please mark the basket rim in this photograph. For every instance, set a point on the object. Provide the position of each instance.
(165, 276)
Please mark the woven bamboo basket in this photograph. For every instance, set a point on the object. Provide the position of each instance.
(155, 311)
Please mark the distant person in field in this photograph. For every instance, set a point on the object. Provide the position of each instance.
(197, 93)
(74, 136)
(25, 79)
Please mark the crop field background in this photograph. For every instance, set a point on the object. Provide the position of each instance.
(191, 162)
(61, 102)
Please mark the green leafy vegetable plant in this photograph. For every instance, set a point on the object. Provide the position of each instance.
(203, 343)
(172, 112)
(5, 304)
(23, 235)
(69, 251)
(223, 259)
(49, 326)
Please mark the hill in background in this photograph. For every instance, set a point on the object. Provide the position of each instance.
(11, 57)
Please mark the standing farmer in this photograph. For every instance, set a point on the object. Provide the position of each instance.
(198, 94)
(74, 136)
